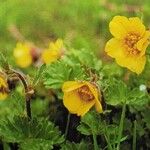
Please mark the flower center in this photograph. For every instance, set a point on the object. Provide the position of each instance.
(130, 41)
(85, 93)
(3, 90)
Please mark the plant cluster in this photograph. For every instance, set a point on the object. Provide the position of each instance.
(75, 100)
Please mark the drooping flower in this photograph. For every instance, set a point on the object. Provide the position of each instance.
(129, 43)
(24, 54)
(53, 53)
(80, 96)
(3, 87)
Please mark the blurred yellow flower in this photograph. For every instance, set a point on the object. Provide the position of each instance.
(53, 53)
(129, 43)
(3, 87)
(80, 96)
(22, 54)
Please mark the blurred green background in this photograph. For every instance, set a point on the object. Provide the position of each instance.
(81, 23)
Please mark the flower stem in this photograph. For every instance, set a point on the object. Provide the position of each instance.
(95, 142)
(67, 125)
(5, 146)
(28, 109)
(134, 136)
(121, 126)
(107, 138)
(28, 92)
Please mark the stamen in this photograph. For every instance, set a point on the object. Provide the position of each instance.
(3, 90)
(85, 93)
(130, 41)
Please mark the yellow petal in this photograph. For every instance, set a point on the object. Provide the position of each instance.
(136, 26)
(93, 89)
(3, 96)
(22, 55)
(97, 96)
(143, 43)
(24, 61)
(114, 48)
(2, 80)
(53, 52)
(118, 26)
(3, 83)
(75, 105)
(98, 106)
(72, 85)
(72, 101)
(135, 64)
(20, 50)
(59, 43)
(49, 56)
(85, 107)
(52, 46)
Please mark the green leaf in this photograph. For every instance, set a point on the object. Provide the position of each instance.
(75, 146)
(142, 78)
(6, 146)
(14, 100)
(140, 127)
(22, 131)
(116, 92)
(39, 74)
(3, 61)
(38, 144)
(146, 117)
(111, 132)
(138, 99)
(85, 58)
(91, 123)
(59, 72)
(112, 70)
(39, 106)
(73, 66)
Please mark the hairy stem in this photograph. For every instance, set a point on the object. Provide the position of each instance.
(134, 136)
(28, 92)
(108, 142)
(95, 142)
(67, 125)
(121, 126)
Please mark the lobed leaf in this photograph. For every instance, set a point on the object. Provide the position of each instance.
(91, 123)
(36, 132)
(59, 72)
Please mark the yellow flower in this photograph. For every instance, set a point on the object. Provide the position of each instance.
(53, 53)
(80, 96)
(3, 87)
(22, 54)
(129, 43)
